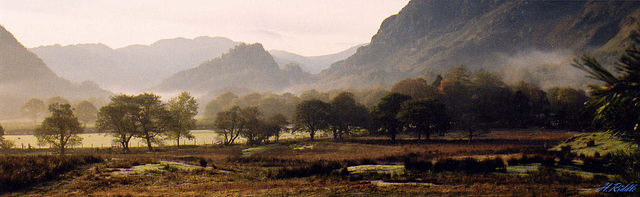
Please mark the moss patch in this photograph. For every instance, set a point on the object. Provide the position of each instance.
(604, 143)
(380, 169)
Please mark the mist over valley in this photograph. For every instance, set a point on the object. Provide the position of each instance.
(279, 98)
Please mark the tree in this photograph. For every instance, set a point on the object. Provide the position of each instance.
(57, 99)
(491, 100)
(539, 106)
(416, 88)
(371, 97)
(118, 118)
(229, 124)
(150, 119)
(311, 116)
(182, 111)
(384, 114)
(615, 102)
(220, 103)
(424, 116)
(61, 129)
(437, 81)
(86, 112)
(471, 123)
(567, 107)
(34, 108)
(313, 94)
(4, 144)
(274, 125)
(456, 92)
(252, 125)
(346, 114)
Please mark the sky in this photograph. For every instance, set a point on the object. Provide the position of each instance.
(306, 27)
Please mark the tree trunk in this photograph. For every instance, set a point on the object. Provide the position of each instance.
(149, 143)
(178, 142)
(126, 147)
(392, 134)
(312, 134)
(62, 144)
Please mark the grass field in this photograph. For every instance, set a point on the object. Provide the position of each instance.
(362, 166)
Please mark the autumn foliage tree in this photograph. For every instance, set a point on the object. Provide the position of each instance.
(417, 88)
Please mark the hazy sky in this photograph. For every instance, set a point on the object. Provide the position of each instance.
(306, 27)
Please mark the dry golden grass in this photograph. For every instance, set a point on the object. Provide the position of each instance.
(250, 176)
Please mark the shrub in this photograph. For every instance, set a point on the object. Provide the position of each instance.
(591, 143)
(470, 165)
(626, 165)
(594, 164)
(525, 159)
(417, 165)
(548, 161)
(18, 172)
(316, 168)
(203, 162)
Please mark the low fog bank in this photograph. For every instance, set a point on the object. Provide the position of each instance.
(545, 68)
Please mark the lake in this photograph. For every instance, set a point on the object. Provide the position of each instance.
(101, 140)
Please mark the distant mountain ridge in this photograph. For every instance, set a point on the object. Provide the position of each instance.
(312, 64)
(23, 75)
(247, 66)
(431, 36)
(132, 68)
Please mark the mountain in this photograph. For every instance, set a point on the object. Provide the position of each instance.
(245, 66)
(23, 75)
(311, 64)
(132, 68)
(428, 37)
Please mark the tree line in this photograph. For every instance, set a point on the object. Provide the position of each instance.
(142, 116)
(472, 101)
(462, 99)
(482, 100)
